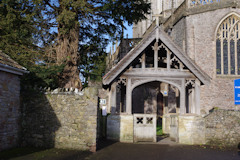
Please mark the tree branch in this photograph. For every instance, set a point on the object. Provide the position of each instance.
(52, 6)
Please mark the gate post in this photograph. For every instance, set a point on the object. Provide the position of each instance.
(197, 96)
(129, 97)
(183, 98)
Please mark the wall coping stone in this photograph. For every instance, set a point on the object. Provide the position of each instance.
(219, 109)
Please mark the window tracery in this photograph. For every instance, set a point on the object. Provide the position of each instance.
(228, 47)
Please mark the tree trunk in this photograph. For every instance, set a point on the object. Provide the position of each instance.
(67, 53)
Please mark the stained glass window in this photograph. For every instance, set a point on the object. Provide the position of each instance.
(228, 47)
(218, 45)
(225, 56)
(232, 54)
(238, 56)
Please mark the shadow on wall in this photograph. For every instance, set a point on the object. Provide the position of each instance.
(103, 139)
(39, 121)
(120, 128)
(60, 119)
(113, 127)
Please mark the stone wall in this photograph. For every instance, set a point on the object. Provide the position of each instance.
(223, 127)
(191, 129)
(61, 119)
(166, 123)
(219, 128)
(178, 33)
(9, 110)
(120, 128)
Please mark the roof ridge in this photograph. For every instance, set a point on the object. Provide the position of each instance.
(6, 60)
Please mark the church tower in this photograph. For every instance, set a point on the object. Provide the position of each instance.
(164, 7)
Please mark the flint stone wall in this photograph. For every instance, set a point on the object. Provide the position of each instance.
(9, 110)
(60, 119)
(223, 127)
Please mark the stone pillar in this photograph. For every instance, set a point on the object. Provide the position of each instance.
(113, 93)
(158, 7)
(156, 59)
(129, 97)
(165, 105)
(183, 98)
(177, 100)
(191, 129)
(197, 96)
(109, 101)
(164, 89)
(193, 104)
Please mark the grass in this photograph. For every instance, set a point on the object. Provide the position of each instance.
(159, 130)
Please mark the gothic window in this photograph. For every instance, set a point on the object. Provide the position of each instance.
(228, 47)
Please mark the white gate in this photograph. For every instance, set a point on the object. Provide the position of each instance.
(145, 127)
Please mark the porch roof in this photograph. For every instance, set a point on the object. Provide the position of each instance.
(7, 64)
(147, 39)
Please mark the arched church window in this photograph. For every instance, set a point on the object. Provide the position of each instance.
(228, 47)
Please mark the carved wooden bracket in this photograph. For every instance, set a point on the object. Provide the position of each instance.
(156, 47)
(175, 59)
(190, 82)
(122, 80)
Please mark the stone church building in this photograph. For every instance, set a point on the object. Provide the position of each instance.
(180, 64)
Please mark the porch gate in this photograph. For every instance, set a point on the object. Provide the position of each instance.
(145, 127)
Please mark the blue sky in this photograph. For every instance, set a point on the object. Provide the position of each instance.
(128, 31)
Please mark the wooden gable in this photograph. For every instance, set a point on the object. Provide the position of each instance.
(143, 44)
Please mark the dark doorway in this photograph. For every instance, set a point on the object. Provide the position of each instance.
(148, 99)
(145, 98)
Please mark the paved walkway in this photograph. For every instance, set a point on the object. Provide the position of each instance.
(161, 151)
(167, 141)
